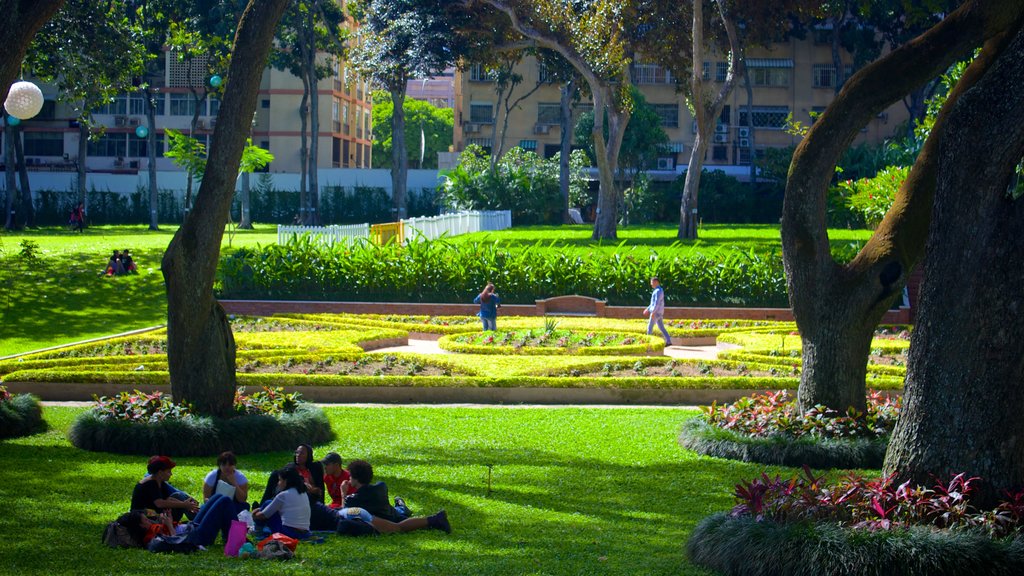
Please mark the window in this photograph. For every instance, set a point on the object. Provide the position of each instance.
(477, 73)
(359, 156)
(706, 71)
(336, 115)
(743, 155)
(137, 105)
(214, 106)
(548, 113)
(265, 103)
(720, 153)
(346, 128)
(772, 117)
(481, 112)
(824, 75)
(769, 77)
(544, 75)
(110, 145)
(650, 74)
(44, 143)
(118, 106)
(669, 115)
(580, 109)
(721, 71)
(182, 105)
(530, 145)
(139, 147)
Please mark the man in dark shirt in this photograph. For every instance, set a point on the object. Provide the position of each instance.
(154, 493)
(371, 497)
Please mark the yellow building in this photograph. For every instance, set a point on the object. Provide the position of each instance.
(795, 77)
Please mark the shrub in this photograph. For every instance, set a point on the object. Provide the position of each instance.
(20, 414)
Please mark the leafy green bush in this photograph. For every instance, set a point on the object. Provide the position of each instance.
(20, 414)
(872, 197)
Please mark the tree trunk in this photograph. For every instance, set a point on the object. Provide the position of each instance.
(607, 154)
(750, 127)
(565, 141)
(200, 346)
(304, 215)
(83, 153)
(965, 375)
(22, 18)
(28, 212)
(10, 177)
(245, 221)
(865, 288)
(837, 61)
(314, 121)
(498, 139)
(154, 195)
(399, 155)
(691, 187)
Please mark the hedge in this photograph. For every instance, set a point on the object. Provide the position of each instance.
(745, 547)
(653, 344)
(22, 415)
(202, 435)
(780, 450)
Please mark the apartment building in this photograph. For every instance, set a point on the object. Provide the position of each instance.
(795, 77)
(51, 138)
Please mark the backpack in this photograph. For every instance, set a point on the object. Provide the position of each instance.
(117, 536)
(170, 544)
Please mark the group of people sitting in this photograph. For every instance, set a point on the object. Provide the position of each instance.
(121, 263)
(293, 503)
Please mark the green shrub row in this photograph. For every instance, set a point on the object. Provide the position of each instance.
(22, 415)
(760, 357)
(446, 271)
(746, 547)
(646, 361)
(202, 436)
(653, 344)
(818, 453)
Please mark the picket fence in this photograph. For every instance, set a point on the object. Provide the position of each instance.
(428, 227)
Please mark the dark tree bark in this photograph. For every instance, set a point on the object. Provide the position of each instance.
(399, 154)
(154, 195)
(838, 306)
(200, 346)
(11, 179)
(22, 19)
(965, 374)
(28, 212)
(83, 152)
(606, 222)
(314, 118)
(304, 203)
(245, 220)
(565, 146)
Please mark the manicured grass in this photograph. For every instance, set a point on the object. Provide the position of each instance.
(572, 491)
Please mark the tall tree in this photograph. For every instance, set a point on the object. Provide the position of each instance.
(200, 346)
(837, 306)
(435, 124)
(400, 40)
(590, 36)
(965, 371)
(90, 52)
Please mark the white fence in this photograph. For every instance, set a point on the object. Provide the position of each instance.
(323, 234)
(434, 227)
(430, 228)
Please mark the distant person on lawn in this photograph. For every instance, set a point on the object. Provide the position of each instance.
(114, 265)
(235, 485)
(127, 263)
(368, 510)
(77, 218)
(656, 310)
(154, 493)
(489, 303)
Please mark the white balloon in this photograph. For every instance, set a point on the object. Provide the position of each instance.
(24, 100)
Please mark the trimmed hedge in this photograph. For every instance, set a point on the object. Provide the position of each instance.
(22, 415)
(202, 435)
(653, 344)
(780, 450)
(746, 547)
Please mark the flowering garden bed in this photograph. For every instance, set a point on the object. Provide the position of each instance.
(141, 423)
(20, 415)
(770, 429)
(551, 342)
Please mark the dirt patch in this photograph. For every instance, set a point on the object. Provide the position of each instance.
(362, 367)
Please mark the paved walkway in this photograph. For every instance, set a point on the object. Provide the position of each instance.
(692, 352)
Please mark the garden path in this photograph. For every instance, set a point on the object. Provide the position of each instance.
(692, 352)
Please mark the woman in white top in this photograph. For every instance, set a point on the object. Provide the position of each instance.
(288, 513)
(236, 485)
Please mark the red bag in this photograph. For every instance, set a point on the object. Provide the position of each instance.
(289, 542)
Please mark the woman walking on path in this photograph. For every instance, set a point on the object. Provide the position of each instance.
(489, 303)
(657, 311)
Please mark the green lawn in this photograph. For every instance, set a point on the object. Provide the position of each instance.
(572, 491)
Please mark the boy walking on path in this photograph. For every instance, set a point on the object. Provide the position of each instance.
(657, 311)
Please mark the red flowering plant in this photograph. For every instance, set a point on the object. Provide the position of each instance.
(777, 413)
(136, 406)
(5, 396)
(872, 197)
(268, 402)
(876, 504)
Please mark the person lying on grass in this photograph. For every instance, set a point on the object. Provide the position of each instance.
(227, 480)
(154, 492)
(214, 517)
(368, 507)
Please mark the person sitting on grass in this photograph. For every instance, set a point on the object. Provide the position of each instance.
(227, 480)
(289, 511)
(369, 506)
(127, 263)
(334, 475)
(114, 265)
(214, 517)
(311, 471)
(154, 492)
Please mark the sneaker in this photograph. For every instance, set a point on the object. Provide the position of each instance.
(399, 502)
(439, 521)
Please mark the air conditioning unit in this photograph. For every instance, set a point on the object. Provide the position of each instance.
(721, 128)
(133, 121)
(744, 132)
(120, 120)
(721, 138)
(541, 129)
(472, 128)
(134, 164)
(744, 142)
(665, 164)
(200, 125)
(118, 162)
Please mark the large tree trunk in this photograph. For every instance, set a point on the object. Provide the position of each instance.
(28, 212)
(82, 154)
(607, 154)
(750, 127)
(22, 18)
(565, 146)
(304, 215)
(399, 155)
(314, 121)
(151, 139)
(245, 220)
(11, 179)
(200, 346)
(837, 306)
(965, 375)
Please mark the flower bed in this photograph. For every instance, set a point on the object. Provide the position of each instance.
(20, 415)
(551, 342)
(770, 429)
(675, 368)
(140, 423)
(803, 525)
